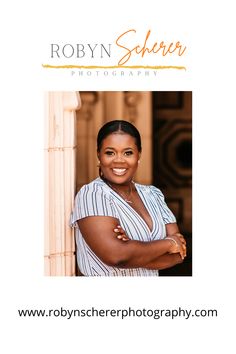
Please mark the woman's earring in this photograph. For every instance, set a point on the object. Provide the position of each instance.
(138, 161)
(98, 165)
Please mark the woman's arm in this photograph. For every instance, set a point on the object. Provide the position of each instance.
(166, 260)
(97, 232)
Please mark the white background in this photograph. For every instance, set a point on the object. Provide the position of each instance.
(27, 28)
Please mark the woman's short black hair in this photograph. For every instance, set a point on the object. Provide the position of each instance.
(118, 126)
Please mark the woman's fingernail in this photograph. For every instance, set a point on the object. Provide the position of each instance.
(119, 226)
(116, 230)
(119, 237)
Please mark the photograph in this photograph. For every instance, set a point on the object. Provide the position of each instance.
(118, 183)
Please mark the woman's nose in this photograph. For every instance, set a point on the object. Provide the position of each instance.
(119, 158)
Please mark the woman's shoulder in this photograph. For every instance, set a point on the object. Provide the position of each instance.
(93, 200)
(96, 182)
(151, 190)
(95, 186)
(148, 188)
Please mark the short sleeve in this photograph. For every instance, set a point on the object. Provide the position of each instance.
(91, 200)
(166, 213)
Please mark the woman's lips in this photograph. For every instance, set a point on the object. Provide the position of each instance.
(119, 171)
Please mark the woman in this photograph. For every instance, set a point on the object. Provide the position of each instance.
(123, 228)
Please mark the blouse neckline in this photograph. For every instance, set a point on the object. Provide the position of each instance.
(138, 188)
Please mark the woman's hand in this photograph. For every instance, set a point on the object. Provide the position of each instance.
(178, 244)
(177, 240)
(120, 233)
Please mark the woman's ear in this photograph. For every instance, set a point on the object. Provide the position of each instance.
(98, 164)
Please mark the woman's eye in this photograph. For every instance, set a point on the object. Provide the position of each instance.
(129, 153)
(109, 153)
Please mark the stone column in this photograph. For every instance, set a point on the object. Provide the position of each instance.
(60, 147)
(89, 120)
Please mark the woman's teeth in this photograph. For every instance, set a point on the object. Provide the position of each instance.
(119, 171)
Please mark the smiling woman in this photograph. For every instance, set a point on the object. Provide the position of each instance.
(123, 228)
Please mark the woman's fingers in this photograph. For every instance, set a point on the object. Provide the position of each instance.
(122, 237)
(178, 245)
(181, 237)
(184, 251)
(120, 233)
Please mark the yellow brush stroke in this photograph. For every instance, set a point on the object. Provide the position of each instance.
(47, 66)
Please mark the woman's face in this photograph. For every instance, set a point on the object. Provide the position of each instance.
(119, 157)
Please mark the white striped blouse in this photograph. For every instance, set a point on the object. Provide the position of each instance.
(98, 199)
